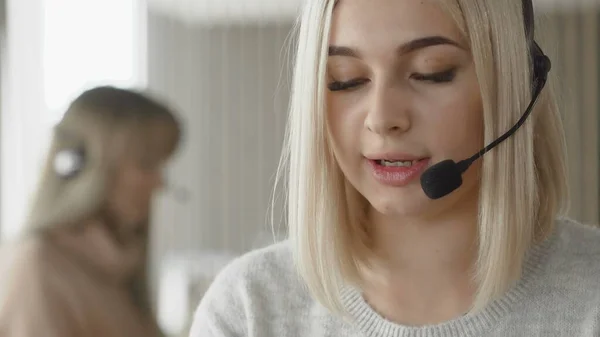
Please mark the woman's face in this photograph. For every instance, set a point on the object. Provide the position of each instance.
(135, 185)
(138, 176)
(402, 95)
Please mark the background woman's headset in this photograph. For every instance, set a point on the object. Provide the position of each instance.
(68, 163)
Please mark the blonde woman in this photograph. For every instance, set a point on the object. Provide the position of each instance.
(386, 237)
(79, 269)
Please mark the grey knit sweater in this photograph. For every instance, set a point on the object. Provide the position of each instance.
(260, 295)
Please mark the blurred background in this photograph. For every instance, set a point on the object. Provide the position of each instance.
(224, 65)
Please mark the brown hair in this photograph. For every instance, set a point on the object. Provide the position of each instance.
(98, 124)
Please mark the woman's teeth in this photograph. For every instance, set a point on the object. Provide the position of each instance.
(396, 163)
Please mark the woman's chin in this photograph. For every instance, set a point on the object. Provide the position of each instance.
(401, 208)
(412, 203)
(409, 201)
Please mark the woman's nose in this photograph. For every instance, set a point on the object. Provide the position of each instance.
(388, 111)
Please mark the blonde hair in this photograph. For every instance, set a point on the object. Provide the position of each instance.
(523, 181)
(100, 122)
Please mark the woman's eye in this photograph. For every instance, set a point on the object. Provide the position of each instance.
(440, 77)
(339, 86)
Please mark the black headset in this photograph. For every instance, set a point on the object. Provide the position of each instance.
(444, 177)
(541, 64)
(67, 163)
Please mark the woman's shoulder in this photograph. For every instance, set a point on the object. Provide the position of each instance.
(259, 272)
(22, 259)
(574, 255)
(36, 264)
(30, 264)
(28, 285)
(264, 280)
(578, 239)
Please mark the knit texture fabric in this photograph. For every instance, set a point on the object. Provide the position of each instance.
(261, 295)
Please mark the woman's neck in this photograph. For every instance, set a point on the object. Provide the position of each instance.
(94, 244)
(424, 272)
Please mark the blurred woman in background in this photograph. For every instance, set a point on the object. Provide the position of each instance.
(80, 267)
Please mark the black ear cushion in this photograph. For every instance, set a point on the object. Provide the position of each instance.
(541, 63)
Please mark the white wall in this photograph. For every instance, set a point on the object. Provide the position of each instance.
(228, 84)
(228, 11)
(571, 39)
(22, 128)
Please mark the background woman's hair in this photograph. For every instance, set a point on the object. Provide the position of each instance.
(100, 123)
(523, 181)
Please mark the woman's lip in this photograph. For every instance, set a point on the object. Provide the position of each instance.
(397, 176)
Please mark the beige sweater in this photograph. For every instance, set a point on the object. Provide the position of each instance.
(46, 290)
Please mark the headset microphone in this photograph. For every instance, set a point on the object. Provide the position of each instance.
(444, 177)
